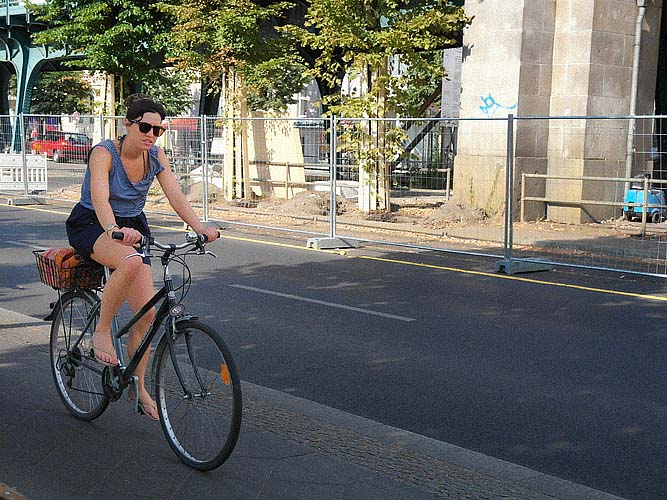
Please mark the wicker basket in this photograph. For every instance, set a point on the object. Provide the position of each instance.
(80, 274)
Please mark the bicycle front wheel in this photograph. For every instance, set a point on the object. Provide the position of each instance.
(78, 377)
(198, 391)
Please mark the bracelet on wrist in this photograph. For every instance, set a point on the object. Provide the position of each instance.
(110, 228)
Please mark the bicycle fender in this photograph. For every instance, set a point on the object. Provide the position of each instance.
(186, 317)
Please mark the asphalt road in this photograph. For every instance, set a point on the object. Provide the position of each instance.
(555, 371)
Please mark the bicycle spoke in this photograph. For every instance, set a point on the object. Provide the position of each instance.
(78, 378)
(200, 410)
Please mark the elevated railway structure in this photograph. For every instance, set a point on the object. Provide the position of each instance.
(20, 56)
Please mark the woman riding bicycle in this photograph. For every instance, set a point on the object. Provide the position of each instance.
(119, 175)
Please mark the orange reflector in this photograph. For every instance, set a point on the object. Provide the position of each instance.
(224, 374)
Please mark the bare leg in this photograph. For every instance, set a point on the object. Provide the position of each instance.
(131, 281)
(139, 297)
(122, 281)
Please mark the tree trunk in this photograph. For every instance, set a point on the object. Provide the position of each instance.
(209, 102)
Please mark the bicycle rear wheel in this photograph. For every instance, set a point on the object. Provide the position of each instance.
(198, 392)
(78, 377)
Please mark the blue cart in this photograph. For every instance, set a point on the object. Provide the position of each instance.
(635, 195)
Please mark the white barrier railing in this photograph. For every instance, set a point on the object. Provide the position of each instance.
(12, 173)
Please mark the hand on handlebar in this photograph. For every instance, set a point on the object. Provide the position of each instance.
(127, 236)
(211, 234)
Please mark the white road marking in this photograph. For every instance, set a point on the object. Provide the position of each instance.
(323, 303)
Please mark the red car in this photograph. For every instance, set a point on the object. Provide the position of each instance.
(62, 146)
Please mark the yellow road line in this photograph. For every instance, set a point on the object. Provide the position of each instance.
(285, 245)
(516, 278)
(460, 271)
(409, 263)
(36, 209)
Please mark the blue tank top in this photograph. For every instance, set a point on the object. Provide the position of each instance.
(127, 199)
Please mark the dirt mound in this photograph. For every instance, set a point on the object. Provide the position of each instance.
(453, 212)
(305, 203)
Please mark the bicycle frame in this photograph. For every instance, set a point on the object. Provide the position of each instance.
(167, 297)
(165, 294)
(162, 312)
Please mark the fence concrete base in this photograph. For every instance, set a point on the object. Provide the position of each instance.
(521, 266)
(24, 200)
(331, 243)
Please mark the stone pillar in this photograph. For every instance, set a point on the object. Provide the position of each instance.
(535, 91)
(490, 77)
(544, 58)
(592, 74)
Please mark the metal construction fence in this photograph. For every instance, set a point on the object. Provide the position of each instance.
(527, 191)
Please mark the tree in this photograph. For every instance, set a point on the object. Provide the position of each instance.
(274, 44)
(171, 88)
(393, 50)
(125, 38)
(61, 93)
(360, 37)
(221, 38)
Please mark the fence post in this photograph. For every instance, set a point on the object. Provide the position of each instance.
(24, 160)
(509, 186)
(332, 177)
(332, 241)
(645, 206)
(507, 265)
(287, 180)
(204, 163)
(449, 182)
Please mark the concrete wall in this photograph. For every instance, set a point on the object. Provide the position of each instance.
(535, 91)
(552, 58)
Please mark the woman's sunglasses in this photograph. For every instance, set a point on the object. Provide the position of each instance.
(144, 128)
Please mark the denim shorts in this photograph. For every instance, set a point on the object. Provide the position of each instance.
(83, 229)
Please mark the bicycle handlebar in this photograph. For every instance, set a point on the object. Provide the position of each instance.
(192, 239)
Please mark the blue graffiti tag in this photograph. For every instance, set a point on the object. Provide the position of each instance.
(491, 106)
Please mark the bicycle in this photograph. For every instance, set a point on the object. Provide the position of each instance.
(196, 382)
